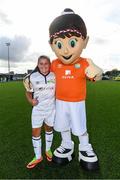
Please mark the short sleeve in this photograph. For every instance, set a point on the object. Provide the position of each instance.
(86, 64)
(27, 84)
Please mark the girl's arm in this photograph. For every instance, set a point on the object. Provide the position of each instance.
(29, 91)
(32, 101)
(29, 96)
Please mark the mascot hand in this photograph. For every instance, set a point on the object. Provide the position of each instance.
(93, 71)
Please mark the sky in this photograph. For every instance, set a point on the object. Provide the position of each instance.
(25, 24)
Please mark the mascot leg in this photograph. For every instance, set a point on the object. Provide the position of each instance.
(62, 155)
(65, 152)
(87, 158)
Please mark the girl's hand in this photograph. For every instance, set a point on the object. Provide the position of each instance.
(34, 102)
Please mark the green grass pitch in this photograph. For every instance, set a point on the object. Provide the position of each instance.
(103, 121)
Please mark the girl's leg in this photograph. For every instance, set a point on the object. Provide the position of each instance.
(49, 140)
(36, 141)
(48, 136)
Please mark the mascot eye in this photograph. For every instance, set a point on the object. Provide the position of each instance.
(58, 44)
(73, 42)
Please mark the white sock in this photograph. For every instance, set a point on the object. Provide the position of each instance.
(84, 140)
(37, 146)
(48, 139)
(66, 139)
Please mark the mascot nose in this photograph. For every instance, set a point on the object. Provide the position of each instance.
(66, 50)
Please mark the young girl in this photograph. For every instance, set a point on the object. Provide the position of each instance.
(40, 93)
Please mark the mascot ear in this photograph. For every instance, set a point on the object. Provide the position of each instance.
(86, 41)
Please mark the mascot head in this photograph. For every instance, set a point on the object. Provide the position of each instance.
(68, 36)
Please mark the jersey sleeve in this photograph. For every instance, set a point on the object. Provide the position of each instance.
(27, 84)
(86, 64)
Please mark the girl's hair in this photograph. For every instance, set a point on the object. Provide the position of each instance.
(39, 59)
(69, 24)
(44, 57)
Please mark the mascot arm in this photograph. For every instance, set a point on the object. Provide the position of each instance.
(93, 72)
(52, 67)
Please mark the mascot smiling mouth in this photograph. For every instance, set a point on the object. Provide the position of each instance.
(67, 57)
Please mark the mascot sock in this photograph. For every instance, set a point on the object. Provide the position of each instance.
(87, 157)
(37, 146)
(84, 146)
(84, 140)
(49, 139)
(66, 139)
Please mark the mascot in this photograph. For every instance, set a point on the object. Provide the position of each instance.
(68, 38)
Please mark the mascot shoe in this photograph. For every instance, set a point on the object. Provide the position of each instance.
(87, 158)
(62, 155)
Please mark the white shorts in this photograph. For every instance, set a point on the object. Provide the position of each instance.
(38, 117)
(70, 115)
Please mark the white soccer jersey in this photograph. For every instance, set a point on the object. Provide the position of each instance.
(43, 88)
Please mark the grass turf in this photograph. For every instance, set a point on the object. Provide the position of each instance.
(103, 117)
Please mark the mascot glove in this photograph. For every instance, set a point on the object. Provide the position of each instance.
(93, 71)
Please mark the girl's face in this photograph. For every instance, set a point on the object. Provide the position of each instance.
(44, 66)
(68, 50)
